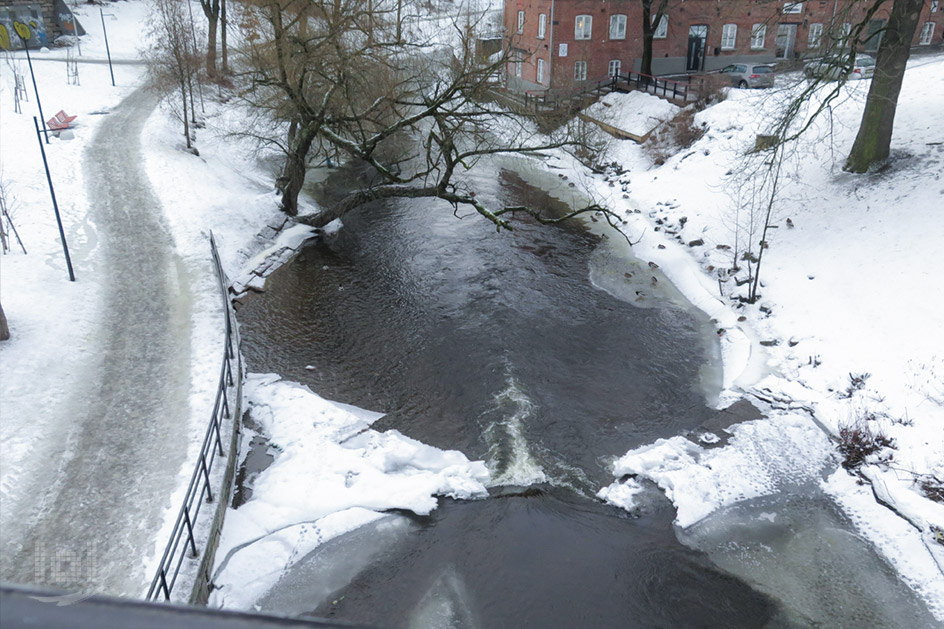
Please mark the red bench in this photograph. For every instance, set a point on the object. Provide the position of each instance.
(60, 121)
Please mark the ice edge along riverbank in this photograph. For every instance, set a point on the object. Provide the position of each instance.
(701, 481)
(744, 364)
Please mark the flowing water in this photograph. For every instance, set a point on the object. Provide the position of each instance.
(501, 346)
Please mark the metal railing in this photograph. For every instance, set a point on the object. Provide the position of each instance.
(183, 541)
(667, 88)
(549, 101)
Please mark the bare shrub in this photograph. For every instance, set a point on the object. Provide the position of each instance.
(856, 383)
(710, 89)
(931, 486)
(859, 440)
(674, 136)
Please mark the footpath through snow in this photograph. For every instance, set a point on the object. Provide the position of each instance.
(849, 289)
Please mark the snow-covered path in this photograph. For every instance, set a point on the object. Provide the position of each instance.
(101, 471)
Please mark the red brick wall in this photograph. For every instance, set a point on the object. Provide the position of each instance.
(599, 50)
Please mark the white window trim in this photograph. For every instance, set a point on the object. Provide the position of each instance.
(609, 67)
(816, 35)
(586, 33)
(520, 22)
(542, 25)
(616, 18)
(540, 71)
(728, 36)
(578, 75)
(934, 5)
(662, 28)
(758, 36)
(927, 34)
(792, 8)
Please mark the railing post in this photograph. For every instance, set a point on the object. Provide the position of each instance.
(193, 543)
(206, 475)
(164, 585)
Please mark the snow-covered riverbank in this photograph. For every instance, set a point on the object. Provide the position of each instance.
(847, 329)
(850, 288)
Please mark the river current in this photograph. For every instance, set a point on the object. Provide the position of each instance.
(501, 346)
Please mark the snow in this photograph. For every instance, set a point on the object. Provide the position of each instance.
(852, 288)
(344, 466)
(636, 112)
(849, 289)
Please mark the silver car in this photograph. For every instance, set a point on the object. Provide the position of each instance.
(831, 68)
(745, 75)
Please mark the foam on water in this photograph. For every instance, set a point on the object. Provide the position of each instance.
(510, 460)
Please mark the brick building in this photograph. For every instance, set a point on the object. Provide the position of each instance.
(558, 44)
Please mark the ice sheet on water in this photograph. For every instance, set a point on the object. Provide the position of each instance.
(329, 462)
(762, 457)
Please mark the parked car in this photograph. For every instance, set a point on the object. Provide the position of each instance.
(749, 75)
(832, 68)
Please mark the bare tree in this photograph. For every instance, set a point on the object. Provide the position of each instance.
(650, 23)
(211, 9)
(347, 78)
(873, 141)
(172, 56)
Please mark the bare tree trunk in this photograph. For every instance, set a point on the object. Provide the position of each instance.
(875, 131)
(648, 30)
(183, 99)
(4, 328)
(211, 8)
(296, 167)
(223, 27)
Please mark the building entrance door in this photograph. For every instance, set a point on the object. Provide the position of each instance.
(786, 41)
(697, 36)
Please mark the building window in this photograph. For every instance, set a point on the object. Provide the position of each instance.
(580, 71)
(542, 25)
(846, 30)
(934, 5)
(583, 26)
(520, 22)
(617, 27)
(816, 35)
(927, 32)
(662, 30)
(728, 36)
(615, 65)
(541, 71)
(793, 7)
(758, 35)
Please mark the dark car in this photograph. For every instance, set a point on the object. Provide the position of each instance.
(749, 75)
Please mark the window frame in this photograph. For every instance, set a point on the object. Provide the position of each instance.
(540, 71)
(729, 36)
(520, 22)
(609, 67)
(583, 34)
(926, 41)
(542, 25)
(792, 8)
(758, 31)
(661, 31)
(616, 17)
(815, 37)
(580, 76)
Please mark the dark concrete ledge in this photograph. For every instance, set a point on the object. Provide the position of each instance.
(25, 607)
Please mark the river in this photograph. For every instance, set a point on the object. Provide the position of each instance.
(507, 347)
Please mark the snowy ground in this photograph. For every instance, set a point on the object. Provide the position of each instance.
(849, 289)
